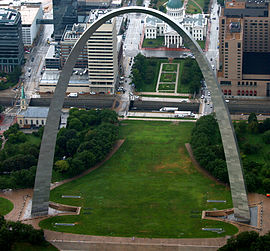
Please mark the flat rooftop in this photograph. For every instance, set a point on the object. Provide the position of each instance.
(256, 63)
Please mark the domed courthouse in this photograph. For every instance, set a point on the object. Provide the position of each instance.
(196, 24)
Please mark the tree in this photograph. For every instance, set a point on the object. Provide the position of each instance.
(11, 130)
(253, 126)
(75, 124)
(266, 137)
(243, 241)
(2, 108)
(61, 166)
(72, 146)
(252, 118)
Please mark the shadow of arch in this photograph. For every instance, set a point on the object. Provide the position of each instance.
(45, 162)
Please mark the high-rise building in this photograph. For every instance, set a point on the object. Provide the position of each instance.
(96, 68)
(30, 13)
(102, 58)
(11, 44)
(64, 13)
(85, 6)
(244, 48)
(67, 42)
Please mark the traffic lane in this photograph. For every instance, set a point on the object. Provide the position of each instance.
(88, 103)
(156, 106)
(249, 108)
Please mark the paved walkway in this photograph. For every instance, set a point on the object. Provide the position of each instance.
(164, 94)
(66, 241)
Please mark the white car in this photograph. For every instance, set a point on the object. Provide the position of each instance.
(92, 93)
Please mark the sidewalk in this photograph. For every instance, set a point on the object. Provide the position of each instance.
(164, 94)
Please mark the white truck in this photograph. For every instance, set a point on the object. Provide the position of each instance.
(168, 109)
(73, 95)
(183, 114)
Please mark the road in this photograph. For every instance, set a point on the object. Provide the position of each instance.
(82, 102)
(36, 59)
(212, 55)
(213, 52)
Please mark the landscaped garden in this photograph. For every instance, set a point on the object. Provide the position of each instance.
(145, 74)
(168, 77)
(166, 87)
(169, 67)
(149, 188)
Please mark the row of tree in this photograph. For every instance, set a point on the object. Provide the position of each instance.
(208, 150)
(191, 75)
(144, 71)
(11, 232)
(251, 241)
(18, 159)
(88, 138)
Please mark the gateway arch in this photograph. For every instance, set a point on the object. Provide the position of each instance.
(41, 196)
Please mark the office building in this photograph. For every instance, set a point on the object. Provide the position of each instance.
(102, 56)
(30, 12)
(11, 46)
(69, 38)
(64, 14)
(244, 49)
(85, 6)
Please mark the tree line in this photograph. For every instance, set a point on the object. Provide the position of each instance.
(88, 138)
(251, 241)
(144, 71)
(11, 232)
(208, 150)
(191, 75)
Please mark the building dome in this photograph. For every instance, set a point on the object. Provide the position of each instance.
(174, 4)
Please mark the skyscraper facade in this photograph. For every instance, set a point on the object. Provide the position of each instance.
(11, 43)
(244, 48)
(64, 13)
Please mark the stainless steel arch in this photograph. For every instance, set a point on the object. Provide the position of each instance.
(43, 176)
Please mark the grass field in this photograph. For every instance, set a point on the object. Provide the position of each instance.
(169, 67)
(149, 188)
(153, 43)
(168, 77)
(192, 8)
(5, 206)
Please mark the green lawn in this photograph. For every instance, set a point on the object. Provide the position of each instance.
(169, 67)
(201, 43)
(5, 206)
(168, 77)
(153, 43)
(192, 8)
(180, 87)
(149, 188)
(166, 87)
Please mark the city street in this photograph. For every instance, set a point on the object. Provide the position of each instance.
(213, 52)
(36, 59)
